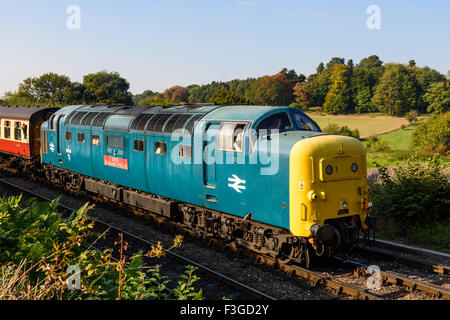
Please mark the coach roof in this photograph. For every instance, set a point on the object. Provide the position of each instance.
(23, 113)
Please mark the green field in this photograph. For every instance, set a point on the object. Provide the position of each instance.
(367, 125)
(400, 142)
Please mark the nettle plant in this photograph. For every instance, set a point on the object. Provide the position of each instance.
(38, 247)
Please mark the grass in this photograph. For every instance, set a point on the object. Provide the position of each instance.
(400, 142)
(368, 124)
(434, 236)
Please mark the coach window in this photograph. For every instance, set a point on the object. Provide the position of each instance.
(68, 136)
(231, 137)
(7, 129)
(139, 145)
(95, 140)
(161, 148)
(303, 123)
(25, 131)
(81, 137)
(17, 131)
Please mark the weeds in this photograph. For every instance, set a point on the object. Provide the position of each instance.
(38, 248)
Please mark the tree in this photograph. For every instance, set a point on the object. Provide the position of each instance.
(301, 95)
(438, 97)
(224, 96)
(48, 89)
(397, 91)
(292, 76)
(335, 60)
(320, 68)
(104, 87)
(411, 63)
(338, 98)
(350, 64)
(364, 79)
(138, 98)
(425, 77)
(270, 90)
(318, 86)
(176, 94)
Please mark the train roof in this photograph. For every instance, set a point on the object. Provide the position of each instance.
(23, 113)
(160, 118)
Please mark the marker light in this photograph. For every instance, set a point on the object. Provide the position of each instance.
(354, 167)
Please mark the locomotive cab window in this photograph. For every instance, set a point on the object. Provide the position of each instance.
(303, 123)
(81, 137)
(68, 136)
(95, 140)
(279, 121)
(17, 131)
(231, 137)
(116, 142)
(54, 122)
(161, 148)
(139, 145)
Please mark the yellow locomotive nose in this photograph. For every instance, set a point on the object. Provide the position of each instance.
(327, 181)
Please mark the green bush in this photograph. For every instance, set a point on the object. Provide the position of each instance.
(415, 195)
(376, 144)
(333, 128)
(411, 116)
(433, 134)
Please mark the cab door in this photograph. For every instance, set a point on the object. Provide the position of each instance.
(209, 154)
(210, 196)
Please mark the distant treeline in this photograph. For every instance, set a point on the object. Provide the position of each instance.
(338, 87)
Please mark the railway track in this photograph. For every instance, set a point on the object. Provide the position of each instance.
(242, 290)
(417, 262)
(432, 261)
(398, 279)
(340, 288)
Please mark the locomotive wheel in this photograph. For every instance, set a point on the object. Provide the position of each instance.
(305, 254)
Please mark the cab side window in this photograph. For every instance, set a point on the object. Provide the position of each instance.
(304, 123)
(279, 121)
(231, 137)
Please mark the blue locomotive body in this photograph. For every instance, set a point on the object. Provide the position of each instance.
(224, 158)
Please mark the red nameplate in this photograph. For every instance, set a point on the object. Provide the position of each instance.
(116, 162)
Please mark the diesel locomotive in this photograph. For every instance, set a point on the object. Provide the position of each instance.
(265, 178)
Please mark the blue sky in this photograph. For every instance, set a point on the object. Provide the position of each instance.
(157, 44)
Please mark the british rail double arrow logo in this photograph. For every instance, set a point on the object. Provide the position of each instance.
(236, 183)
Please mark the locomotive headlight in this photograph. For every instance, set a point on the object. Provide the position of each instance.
(329, 169)
(354, 167)
(344, 204)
